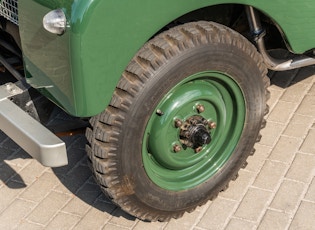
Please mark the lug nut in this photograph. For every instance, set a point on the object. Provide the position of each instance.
(159, 112)
(204, 121)
(197, 150)
(200, 108)
(212, 125)
(178, 123)
(177, 148)
(187, 134)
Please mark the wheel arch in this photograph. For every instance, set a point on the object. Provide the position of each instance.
(104, 62)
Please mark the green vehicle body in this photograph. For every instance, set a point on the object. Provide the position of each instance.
(80, 69)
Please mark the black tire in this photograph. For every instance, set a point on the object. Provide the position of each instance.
(116, 138)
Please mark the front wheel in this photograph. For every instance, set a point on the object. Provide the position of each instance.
(182, 121)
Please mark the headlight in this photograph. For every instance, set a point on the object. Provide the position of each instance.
(55, 22)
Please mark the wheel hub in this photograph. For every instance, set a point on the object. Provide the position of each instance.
(195, 133)
(193, 130)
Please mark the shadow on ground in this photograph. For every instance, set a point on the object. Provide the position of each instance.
(77, 178)
(9, 150)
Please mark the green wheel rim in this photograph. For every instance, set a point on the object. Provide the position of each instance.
(169, 162)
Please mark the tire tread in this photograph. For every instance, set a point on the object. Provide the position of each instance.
(103, 136)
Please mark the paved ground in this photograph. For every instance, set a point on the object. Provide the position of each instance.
(275, 191)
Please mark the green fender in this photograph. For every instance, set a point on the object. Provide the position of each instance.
(80, 69)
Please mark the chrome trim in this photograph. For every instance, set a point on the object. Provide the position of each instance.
(272, 63)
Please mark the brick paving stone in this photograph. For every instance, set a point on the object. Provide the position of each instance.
(63, 188)
(304, 218)
(8, 171)
(63, 221)
(238, 188)
(73, 180)
(188, 219)
(50, 206)
(288, 196)
(256, 161)
(25, 225)
(295, 93)
(307, 107)
(309, 143)
(253, 204)
(150, 226)
(114, 227)
(74, 157)
(15, 213)
(10, 144)
(239, 224)
(103, 198)
(310, 195)
(121, 218)
(79, 206)
(218, 212)
(30, 173)
(97, 216)
(312, 90)
(19, 158)
(282, 112)
(9, 193)
(17, 168)
(41, 187)
(76, 206)
(285, 150)
(302, 168)
(275, 95)
(270, 175)
(5, 153)
(3, 137)
(298, 126)
(271, 133)
(274, 220)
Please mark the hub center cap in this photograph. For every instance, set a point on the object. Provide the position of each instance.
(194, 133)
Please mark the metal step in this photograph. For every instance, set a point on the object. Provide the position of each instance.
(28, 133)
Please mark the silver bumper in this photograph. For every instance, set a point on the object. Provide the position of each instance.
(28, 133)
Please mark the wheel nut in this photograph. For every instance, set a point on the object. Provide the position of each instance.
(197, 150)
(200, 108)
(177, 148)
(204, 121)
(212, 125)
(178, 123)
(159, 112)
(187, 134)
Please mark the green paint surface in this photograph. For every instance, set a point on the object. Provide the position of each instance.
(80, 69)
